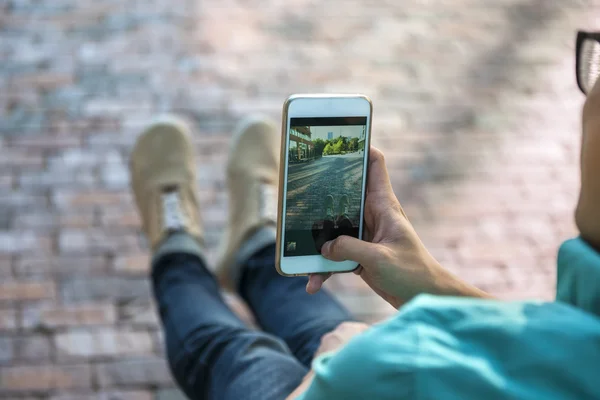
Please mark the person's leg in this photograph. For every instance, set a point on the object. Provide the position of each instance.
(323, 230)
(210, 351)
(281, 305)
(283, 308)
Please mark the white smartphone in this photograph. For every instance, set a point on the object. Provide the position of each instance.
(322, 182)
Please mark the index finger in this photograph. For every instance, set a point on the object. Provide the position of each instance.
(378, 178)
(315, 282)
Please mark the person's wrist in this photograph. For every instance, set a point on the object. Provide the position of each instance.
(449, 284)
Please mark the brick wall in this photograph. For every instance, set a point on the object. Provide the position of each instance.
(476, 109)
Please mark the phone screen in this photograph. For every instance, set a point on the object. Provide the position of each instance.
(326, 157)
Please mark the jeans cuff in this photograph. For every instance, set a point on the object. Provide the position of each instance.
(178, 242)
(265, 236)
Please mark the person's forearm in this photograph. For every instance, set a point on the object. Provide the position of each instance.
(451, 285)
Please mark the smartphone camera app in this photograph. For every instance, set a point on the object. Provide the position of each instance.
(326, 158)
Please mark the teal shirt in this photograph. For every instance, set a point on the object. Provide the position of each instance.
(459, 348)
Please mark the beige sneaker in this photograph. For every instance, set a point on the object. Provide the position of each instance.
(587, 215)
(163, 180)
(252, 178)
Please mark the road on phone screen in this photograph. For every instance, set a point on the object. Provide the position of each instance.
(309, 184)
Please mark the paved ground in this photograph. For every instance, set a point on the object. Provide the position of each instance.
(476, 109)
(310, 183)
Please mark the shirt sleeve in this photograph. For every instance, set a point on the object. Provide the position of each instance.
(578, 275)
(378, 364)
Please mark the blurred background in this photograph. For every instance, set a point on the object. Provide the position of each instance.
(476, 109)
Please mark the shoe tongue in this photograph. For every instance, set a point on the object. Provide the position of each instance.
(173, 216)
(268, 202)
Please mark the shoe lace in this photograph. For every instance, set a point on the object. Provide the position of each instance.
(173, 216)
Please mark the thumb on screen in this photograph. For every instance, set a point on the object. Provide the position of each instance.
(347, 248)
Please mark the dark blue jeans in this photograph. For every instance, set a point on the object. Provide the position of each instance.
(213, 355)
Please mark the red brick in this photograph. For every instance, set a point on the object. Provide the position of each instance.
(7, 180)
(38, 220)
(102, 342)
(106, 395)
(27, 290)
(134, 372)
(83, 395)
(120, 218)
(110, 140)
(115, 175)
(80, 199)
(95, 241)
(8, 320)
(13, 242)
(134, 264)
(18, 200)
(77, 220)
(122, 289)
(211, 146)
(32, 348)
(6, 261)
(74, 241)
(51, 317)
(57, 178)
(44, 80)
(20, 158)
(139, 315)
(170, 394)
(158, 337)
(112, 107)
(76, 157)
(44, 378)
(7, 356)
(28, 266)
(45, 142)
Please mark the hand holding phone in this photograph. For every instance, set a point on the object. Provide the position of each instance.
(394, 262)
(324, 158)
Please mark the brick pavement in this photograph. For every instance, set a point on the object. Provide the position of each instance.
(476, 109)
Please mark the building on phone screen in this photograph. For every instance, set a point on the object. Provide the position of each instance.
(361, 140)
(301, 146)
